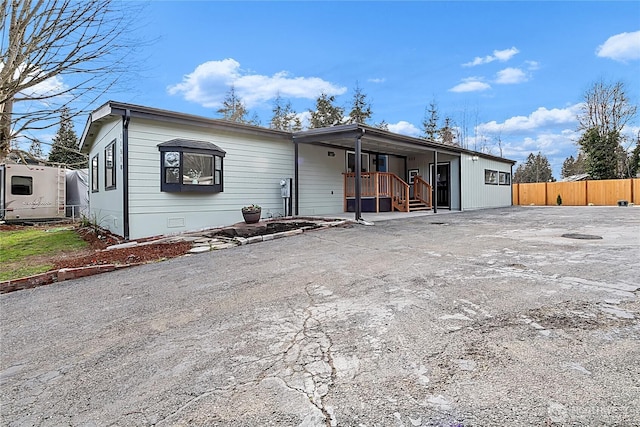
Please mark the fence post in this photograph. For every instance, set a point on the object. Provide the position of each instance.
(545, 193)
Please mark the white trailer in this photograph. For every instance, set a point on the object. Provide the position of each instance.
(31, 192)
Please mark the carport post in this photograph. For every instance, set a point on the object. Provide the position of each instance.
(435, 181)
(358, 171)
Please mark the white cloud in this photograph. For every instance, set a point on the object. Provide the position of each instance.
(53, 86)
(498, 55)
(511, 76)
(532, 65)
(472, 84)
(621, 47)
(376, 80)
(404, 128)
(539, 119)
(209, 83)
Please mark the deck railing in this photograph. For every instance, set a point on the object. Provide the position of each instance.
(422, 191)
(378, 184)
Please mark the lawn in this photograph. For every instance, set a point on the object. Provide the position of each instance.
(27, 251)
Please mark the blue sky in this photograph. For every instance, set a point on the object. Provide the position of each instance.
(518, 70)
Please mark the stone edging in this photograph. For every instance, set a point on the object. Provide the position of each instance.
(73, 273)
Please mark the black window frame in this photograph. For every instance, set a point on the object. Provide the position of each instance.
(95, 171)
(110, 171)
(187, 147)
(507, 178)
(487, 174)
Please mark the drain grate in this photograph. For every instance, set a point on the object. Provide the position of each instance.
(581, 236)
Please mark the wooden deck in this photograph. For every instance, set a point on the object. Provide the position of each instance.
(383, 186)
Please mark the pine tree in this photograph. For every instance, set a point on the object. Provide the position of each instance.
(234, 110)
(360, 109)
(430, 122)
(446, 134)
(536, 169)
(383, 125)
(284, 118)
(577, 167)
(634, 159)
(66, 147)
(602, 158)
(326, 113)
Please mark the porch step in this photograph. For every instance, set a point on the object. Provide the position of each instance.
(416, 205)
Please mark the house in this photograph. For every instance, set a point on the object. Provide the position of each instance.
(156, 172)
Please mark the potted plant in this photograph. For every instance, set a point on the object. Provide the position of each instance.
(251, 214)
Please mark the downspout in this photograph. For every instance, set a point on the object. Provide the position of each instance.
(295, 176)
(358, 171)
(435, 181)
(459, 182)
(511, 184)
(125, 171)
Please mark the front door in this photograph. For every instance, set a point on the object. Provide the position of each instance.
(443, 178)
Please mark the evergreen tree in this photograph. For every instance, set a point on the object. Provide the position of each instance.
(604, 114)
(284, 118)
(634, 160)
(360, 109)
(572, 166)
(234, 110)
(445, 133)
(382, 125)
(601, 161)
(326, 113)
(66, 147)
(535, 169)
(430, 122)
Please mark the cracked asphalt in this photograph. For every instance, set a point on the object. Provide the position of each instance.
(481, 318)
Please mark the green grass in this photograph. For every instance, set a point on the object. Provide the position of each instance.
(19, 246)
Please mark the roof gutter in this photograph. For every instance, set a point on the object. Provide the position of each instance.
(126, 118)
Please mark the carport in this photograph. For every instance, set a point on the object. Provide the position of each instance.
(360, 138)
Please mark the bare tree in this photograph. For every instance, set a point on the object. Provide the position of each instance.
(59, 54)
(606, 108)
(605, 112)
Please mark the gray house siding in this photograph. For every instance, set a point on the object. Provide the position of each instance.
(475, 193)
(106, 205)
(321, 180)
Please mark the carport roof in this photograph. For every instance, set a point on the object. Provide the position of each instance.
(378, 140)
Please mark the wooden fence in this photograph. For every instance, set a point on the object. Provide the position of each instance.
(580, 193)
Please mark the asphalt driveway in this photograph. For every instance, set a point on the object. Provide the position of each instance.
(485, 318)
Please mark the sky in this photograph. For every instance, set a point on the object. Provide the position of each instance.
(515, 71)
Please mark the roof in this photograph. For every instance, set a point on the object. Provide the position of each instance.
(383, 141)
(114, 109)
(193, 144)
(342, 136)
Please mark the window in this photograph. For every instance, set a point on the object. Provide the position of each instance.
(94, 174)
(109, 167)
(351, 161)
(490, 177)
(22, 185)
(191, 166)
(505, 178)
(496, 178)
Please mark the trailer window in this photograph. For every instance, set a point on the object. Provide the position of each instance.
(109, 167)
(22, 185)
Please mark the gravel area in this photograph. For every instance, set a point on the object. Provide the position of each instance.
(482, 318)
